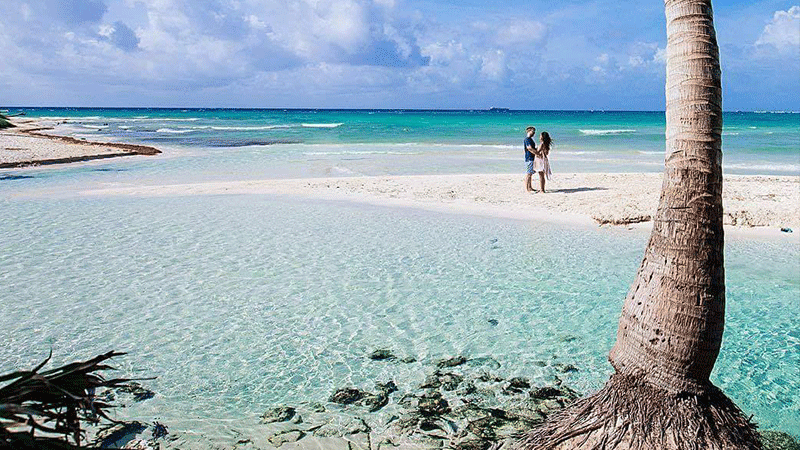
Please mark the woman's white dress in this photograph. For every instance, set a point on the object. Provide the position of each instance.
(542, 165)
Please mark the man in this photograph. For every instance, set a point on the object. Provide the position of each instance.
(530, 153)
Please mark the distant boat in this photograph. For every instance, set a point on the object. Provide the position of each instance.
(493, 109)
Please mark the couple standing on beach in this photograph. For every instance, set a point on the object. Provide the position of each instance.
(536, 159)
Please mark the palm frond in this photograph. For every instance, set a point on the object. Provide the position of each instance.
(47, 409)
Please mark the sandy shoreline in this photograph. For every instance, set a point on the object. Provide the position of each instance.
(589, 198)
(29, 145)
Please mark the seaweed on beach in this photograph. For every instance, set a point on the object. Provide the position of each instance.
(4, 123)
(48, 409)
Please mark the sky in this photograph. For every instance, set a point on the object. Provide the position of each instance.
(429, 54)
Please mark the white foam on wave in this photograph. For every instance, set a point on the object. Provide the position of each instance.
(321, 125)
(793, 168)
(174, 131)
(74, 118)
(373, 152)
(265, 127)
(578, 152)
(605, 132)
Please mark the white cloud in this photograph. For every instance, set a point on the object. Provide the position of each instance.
(521, 32)
(493, 65)
(783, 32)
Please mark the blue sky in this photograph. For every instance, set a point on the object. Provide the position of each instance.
(602, 54)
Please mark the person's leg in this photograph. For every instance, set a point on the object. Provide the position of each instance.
(541, 180)
(528, 184)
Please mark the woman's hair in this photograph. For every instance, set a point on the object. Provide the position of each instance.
(546, 141)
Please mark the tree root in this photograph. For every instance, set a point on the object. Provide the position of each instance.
(631, 414)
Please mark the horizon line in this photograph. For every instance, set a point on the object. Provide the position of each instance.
(492, 109)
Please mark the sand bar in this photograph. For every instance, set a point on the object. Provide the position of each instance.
(597, 198)
(29, 145)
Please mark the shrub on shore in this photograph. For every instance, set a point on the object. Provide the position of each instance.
(4, 123)
(48, 409)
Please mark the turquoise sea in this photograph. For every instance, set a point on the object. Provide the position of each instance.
(238, 303)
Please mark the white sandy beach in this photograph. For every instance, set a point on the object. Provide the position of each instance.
(618, 199)
(29, 145)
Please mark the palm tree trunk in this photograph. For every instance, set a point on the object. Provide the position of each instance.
(671, 327)
(670, 331)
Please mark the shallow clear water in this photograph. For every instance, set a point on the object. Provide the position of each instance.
(238, 303)
(377, 142)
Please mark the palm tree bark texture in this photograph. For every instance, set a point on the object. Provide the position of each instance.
(670, 330)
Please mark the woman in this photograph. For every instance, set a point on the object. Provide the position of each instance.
(541, 163)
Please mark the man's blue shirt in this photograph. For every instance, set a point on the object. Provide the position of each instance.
(529, 143)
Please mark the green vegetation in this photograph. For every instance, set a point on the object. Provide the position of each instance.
(4, 123)
(46, 410)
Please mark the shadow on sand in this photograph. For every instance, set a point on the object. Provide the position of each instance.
(574, 190)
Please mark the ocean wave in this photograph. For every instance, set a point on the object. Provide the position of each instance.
(374, 152)
(90, 118)
(578, 152)
(605, 132)
(174, 131)
(321, 125)
(794, 168)
(265, 127)
(251, 143)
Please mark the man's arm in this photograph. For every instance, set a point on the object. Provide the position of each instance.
(531, 149)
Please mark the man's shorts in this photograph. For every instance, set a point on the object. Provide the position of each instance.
(530, 167)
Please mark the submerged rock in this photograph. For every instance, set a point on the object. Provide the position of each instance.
(777, 440)
(451, 362)
(466, 388)
(382, 355)
(139, 392)
(374, 401)
(387, 387)
(431, 382)
(432, 404)
(286, 437)
(279, 414)
(450, 381)
(486, 377)
(517, 385)
(544, 393)
(566, 368)
(472, 444)
(119, 434)
(347, 396)
(485, 427)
